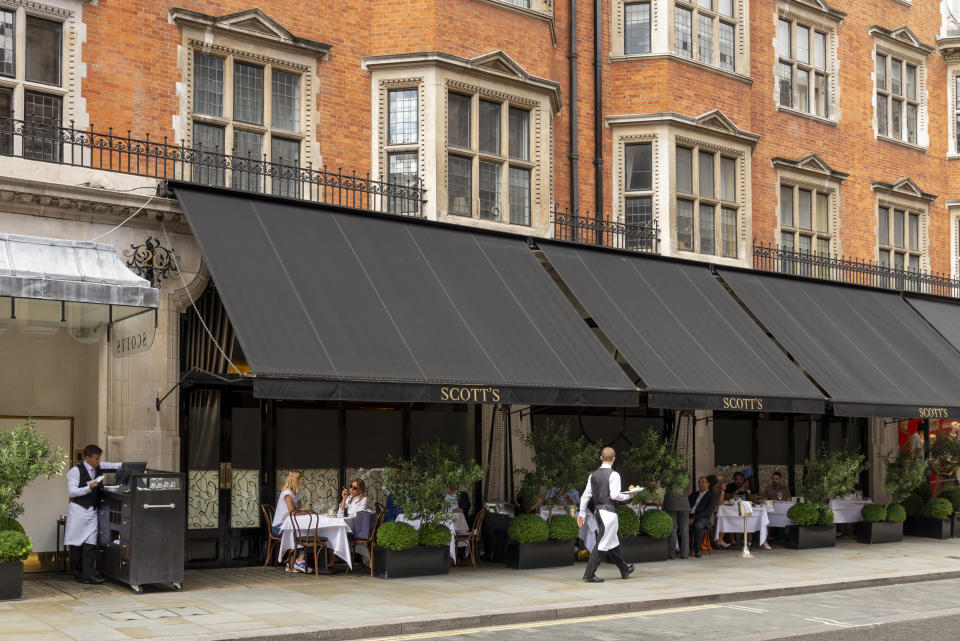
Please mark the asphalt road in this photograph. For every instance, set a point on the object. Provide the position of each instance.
(928, 611)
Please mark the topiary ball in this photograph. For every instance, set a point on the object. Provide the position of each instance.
(913, 505)
(397, 536)
(803, 514)
(873, 513)
(528, 528)
(9, 525)
(434, 535)
(563, 527)
(629, 522)
(953, 495)
(938, 509)
(824, 515)
(896, 514)
(14, 546)
(656, 524)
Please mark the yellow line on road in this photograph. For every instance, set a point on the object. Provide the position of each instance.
(543, 624)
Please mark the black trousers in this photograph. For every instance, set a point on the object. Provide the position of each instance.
(613, 556)
(699, 525)
(83, 561)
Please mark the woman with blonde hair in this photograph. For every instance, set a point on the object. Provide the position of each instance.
(354, 499)
(288, 502)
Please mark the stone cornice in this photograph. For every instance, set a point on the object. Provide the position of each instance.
(714, 122)
(252, 25)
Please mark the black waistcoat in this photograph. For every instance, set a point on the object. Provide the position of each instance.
(600, 487)
(92, 499)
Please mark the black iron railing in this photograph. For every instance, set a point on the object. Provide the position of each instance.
(586, 229)
(768, 257)
(161, 159)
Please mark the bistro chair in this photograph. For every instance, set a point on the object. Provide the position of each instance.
(305, 524)
(371, 542)
(379, 507)
(272, 541)
(472, 538)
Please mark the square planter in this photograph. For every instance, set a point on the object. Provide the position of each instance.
(808, 537)
(548, 554)
(417, 561)
(642, 549)
(955, 533)
(927, 527)
(11, 580)
(882, 532)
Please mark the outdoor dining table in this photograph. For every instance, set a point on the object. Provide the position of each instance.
(334, 529)
(729, 520)
(457, 523)
(777, 513)
(848, 510)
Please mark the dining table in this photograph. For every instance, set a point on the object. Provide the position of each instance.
(730, 520)
(844, 511)
(334, 529)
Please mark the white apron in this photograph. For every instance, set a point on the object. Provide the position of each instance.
(81, 525)
(611, 524)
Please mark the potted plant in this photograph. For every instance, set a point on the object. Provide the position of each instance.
(832, 473)
(884, 523)
(664, 479)
(952, 494)
(530, 546)
(15, 547)
(935, 521)
(559, 461)
(646, 539)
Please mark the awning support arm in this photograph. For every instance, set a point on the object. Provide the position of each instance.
(192, 370)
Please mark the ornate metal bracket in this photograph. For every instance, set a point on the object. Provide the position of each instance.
(150, 260)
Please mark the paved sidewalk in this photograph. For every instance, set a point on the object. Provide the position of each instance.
(270, 604)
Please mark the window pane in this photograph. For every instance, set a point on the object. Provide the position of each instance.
(820, 50)
(285, 156)
(705, 4)
(881, 72)
(246, 162)
(705, 39)
(786, 241)
(882, 121)
(898, 215)
(207, 84)
(898, 261)
(6, 111)
(402, 109)
(684, 170)
(803, 44)
(803, 90)
(914, 263)
(706, 229)
(805, 245)
(728, 230)
(519, 196)
(43, 50)
(783, 39)
(786, 206)
(728, 179)
(489, 190)
(911, 82)
(636, 27)
(727, 38)
(883, 225)
(685, 225)
(911, 123)
(207, 161)
(823, 208)
(489, 132)
(823, 246)
(804, 203)
(247, 93)
(402, 171)
(705, 186)
(638, 212)
(7, 48)
(914, 232)
(42, 115)
(519, 134)
(460, 185)
(896, 68)
(520, 3)
(820, 95)
(726, 8)
(885, 258)
(896, 108)
(638, 161)
(285, 96)
(683, 26)
(786, 84)
(458, 132)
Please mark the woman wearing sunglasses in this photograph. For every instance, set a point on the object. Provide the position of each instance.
(354, 499)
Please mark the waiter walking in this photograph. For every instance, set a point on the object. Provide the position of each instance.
(603, 487)
(80, 532)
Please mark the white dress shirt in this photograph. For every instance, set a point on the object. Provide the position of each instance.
(81, 524)
(615, 493)
(697, 502)
(353, 506)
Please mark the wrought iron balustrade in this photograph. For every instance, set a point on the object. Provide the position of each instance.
(163, 160)
(770, 258)
(641, 237)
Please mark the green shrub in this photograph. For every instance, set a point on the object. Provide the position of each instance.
(923, 491)
(803, 514)
(953, 495)
(8, 524)
(14, 546)
(824, 515)
(398, 536)
(656, 523)
(913, 505)
(629, 521)
(938, 509)
(563, 527)
(873, 513)
(896, 513)
(434, 535)
(528, 528)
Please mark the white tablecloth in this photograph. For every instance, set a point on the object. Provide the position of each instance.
(457, 525)
(588, 531)
(333, 528)
(845, 511)
(729, 520)
(777, 514)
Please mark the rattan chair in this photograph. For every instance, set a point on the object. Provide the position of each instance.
(371, 542)
(305, 524)
(272, 541)
(472, 538)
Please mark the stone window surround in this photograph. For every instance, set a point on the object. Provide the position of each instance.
(711, 131)
(949, 48)
(953, 208)
(811, 172)
(904, 194)
(818, 18)
(900, 43)
(492, 76)
(662, 37)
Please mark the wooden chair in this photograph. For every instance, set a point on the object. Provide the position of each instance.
(379, 507)
(472, 538)
(272, 541)
(305, 524)
(371, 542)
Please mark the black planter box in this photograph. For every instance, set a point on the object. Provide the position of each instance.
(11, 580)
(927, 527)
(882, 532)
(955, 533)
(643, 549)
(417, 561)
(809, 537)
(548, 554)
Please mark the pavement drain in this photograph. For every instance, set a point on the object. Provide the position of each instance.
(154, 613)
(123, 616)
(188, 611)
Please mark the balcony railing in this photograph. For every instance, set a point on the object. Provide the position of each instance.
(768, 257)
(585, 229)
(163, 160)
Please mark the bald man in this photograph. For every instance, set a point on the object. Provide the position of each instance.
(603, 487)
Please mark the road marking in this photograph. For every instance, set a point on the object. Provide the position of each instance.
(839, 624)
(543, 624)
(745, 608)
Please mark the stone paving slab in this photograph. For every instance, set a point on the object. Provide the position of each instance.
(256, 603)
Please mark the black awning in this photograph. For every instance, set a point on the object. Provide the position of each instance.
(943, 315)
(689, 341)
(872, 353)
(336, 304)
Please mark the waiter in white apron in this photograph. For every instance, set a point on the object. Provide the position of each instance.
(80, 533)
(603, 487)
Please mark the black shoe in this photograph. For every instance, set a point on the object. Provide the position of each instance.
(593, 579)
(697, 554)
(630, 569)
(94, 580)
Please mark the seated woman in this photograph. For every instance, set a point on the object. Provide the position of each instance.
(354, 500)
(289, 501)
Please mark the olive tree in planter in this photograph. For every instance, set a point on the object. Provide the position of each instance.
(662, 474)
(646, 539)
(559, 461)
(884, 523)
(832, 473)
